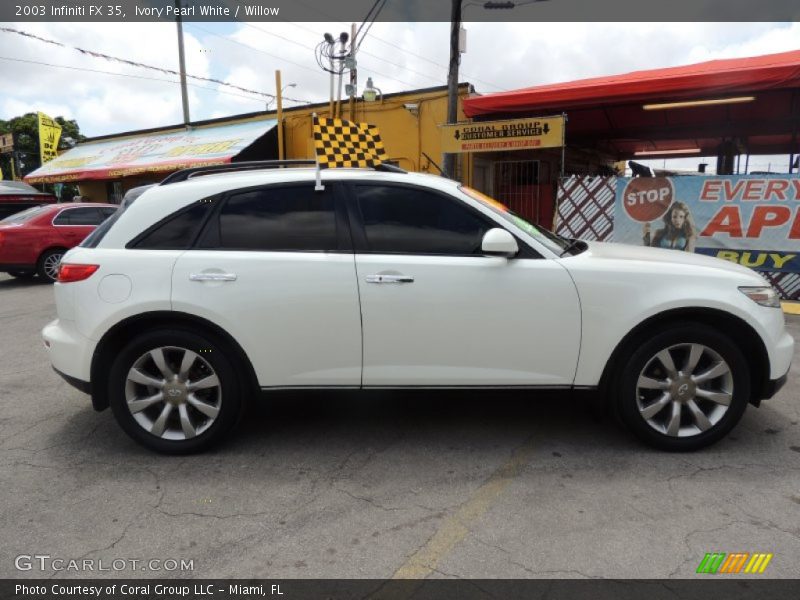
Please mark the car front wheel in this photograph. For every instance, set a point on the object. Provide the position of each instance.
(174, 391)
(683, 388)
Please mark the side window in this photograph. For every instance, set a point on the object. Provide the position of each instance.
(415, 221)
(80, 216)
(291, 218)
(177, 231)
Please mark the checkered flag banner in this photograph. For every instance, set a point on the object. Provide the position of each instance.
(343, 144)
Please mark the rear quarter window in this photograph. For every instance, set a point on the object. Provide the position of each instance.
(177, 231)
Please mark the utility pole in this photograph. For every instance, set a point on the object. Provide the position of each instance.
(182, 61)
(449, 160)
(353, 75)
(279, 97)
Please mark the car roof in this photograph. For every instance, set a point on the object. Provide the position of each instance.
(19, 187)
(218, 182)
(65, 205)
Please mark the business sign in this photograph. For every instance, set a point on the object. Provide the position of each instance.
(156, 153)
(496, 136)
(751, 220)
(49, 135)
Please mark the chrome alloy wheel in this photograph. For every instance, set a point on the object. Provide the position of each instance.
(684, 390)
(51, 264)
(173, 393)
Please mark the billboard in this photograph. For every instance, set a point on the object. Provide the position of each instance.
(748, 219)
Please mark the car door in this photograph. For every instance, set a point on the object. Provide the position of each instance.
(274, 267)
(436, 312)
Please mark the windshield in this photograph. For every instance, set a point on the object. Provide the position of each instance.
(25, 215)
(555, 243)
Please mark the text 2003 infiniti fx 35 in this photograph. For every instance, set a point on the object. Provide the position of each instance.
(214, 286)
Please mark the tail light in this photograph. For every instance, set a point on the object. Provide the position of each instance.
(69, 272)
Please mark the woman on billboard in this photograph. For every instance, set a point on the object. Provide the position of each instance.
(678, 233)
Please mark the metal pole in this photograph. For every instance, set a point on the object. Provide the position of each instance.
(182, 61)
(353, 74)
(330, 107)
(341, 76)
(449, 160)
(279, 98)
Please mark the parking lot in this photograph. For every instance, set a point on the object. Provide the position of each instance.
(381, 485)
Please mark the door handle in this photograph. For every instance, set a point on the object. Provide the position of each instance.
(212, 277)
(390, 279)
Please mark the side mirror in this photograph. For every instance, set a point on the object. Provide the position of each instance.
(498, 242)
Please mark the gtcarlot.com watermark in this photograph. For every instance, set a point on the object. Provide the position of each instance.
(55, 564)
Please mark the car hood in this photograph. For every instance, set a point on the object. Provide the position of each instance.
(603, 250)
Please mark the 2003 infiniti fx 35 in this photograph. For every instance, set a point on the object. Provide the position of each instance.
(218, 284)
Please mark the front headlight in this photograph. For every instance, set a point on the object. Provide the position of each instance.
(765, 296)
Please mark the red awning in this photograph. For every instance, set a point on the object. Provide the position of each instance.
(708, 79)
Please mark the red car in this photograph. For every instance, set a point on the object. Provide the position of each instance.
(34, 240)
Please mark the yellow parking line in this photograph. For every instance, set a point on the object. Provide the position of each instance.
(791, 308)
(457, 526)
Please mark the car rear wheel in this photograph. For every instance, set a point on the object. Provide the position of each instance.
(174, 391)
(48, 264)
(683, 388)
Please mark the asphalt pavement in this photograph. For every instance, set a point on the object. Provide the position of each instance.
(378, 485)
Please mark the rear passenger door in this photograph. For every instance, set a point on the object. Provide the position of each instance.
(274, 267)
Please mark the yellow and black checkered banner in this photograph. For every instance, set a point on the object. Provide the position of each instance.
(342, 144)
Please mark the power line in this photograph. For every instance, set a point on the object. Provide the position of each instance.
(137, 64)
(406, 51)
(313, 50)
(238, 43)
(194, 85)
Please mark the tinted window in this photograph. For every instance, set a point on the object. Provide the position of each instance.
(285, 218)
(80, 216)
(20, 213)
(176, 232)
(415, 221)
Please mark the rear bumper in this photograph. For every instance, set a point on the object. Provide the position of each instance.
(70, 352)
(78, 384)
(772, 386)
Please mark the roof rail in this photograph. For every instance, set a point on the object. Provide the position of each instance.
(389, 168)
(185, 174)
(253, 165)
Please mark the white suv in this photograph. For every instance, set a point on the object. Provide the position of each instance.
(214, 286)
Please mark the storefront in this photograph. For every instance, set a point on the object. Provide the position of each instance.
(104, 168)
(731, 109)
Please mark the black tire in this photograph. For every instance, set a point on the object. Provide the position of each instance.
(227, 399)
(22, 274)
(44, 266)
(633, 403)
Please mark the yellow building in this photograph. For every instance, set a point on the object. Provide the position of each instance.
(105, 167)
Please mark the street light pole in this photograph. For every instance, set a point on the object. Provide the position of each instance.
(449, 160)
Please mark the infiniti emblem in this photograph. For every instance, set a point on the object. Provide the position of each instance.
(682, 390)
(173, 393)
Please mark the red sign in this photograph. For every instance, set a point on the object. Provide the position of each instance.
(647, 198)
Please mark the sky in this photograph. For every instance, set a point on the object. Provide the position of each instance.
(108, 97)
